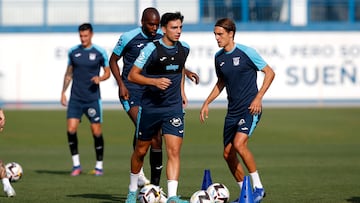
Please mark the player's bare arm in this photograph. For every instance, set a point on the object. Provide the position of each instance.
(204, 112)
(67, 80)
(115, 70)
(104, 76)
(136, 77)
(183, 95)
(192, 76)
(256, 105)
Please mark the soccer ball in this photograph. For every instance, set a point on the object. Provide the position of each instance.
(14, 171)
(218, 192)
(201, 196)
(149, 194)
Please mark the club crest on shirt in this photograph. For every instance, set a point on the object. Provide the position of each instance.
(236, 61)
(92, 56)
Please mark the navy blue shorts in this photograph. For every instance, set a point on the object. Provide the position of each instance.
(134, 100)
(245, 123)
(150, 123)
(92, 110)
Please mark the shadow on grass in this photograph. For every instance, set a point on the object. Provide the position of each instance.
(52, 172)
(354, 200)
(105, 198)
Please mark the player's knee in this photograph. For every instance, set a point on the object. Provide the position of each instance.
(140, 152)
(96, 132)
(156, 145)
(229, 155)
(173, 154)
(226, 155)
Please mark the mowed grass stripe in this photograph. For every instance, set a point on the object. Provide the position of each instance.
(303, 155)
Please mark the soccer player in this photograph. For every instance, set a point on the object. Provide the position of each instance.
(128, 47)
(236, 67)
(160, 68)
(8, 189)
(84, 64)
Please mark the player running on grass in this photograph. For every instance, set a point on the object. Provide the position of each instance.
(236, 67)
(128, 47)
(160, 67)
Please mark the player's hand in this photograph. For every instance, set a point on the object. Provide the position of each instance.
(193, 77)
(163, 83)
(95, 80)
(63, 100)
(255, 107)
(204, 113)
(123, 92)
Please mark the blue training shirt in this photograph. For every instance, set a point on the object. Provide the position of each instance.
(154, 98)
(129, 46)
(238, 68)
(86, 63)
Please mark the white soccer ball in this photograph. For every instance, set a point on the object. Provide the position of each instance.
(149, 194)
(218, 192)
(14, 171)
(201, 196)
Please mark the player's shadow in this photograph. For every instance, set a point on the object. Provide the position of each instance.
(52, 172)
(104, 198)
(354, 200)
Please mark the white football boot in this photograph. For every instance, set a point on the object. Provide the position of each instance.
(143, 180)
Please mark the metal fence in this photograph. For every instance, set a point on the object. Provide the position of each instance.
(54, 15)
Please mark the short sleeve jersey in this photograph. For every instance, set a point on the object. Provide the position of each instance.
(128, 46)
(86, 63)
(171, 60)
(238, 68)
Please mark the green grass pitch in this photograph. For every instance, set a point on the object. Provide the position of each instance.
(303, 155)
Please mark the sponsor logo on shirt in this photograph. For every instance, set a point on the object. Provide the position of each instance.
(172, 67)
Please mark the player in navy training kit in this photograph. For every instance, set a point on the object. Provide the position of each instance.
(160, 67)
(85, 61)
(236, 68)
(8, 189)
(129, 46)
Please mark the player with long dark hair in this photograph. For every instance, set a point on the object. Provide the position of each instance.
(236, 67)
